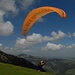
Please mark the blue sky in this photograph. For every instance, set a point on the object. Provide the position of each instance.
(51, 34)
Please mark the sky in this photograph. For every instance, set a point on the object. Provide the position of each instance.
(51, 36)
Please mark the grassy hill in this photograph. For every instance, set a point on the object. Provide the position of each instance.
(15, 60)
(27, 65)
(70, 72)
(7, 69)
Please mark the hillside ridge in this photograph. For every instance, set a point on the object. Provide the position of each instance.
(15, 60)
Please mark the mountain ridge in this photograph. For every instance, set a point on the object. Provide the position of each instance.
(15, 60)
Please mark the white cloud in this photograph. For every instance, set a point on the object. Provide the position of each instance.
(71, 46)
(1, 15)
(7, 6)
(1, 45)
(38, 38)
(6, 28)
(26, 51)
(34, 37)
(74, 34)
(29, 41)
(50, 50)
(21, 43)
(51, 46)
(58, 36)
(25, 4)
(69, 35)
(15, 51)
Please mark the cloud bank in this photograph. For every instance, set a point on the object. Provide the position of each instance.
(25, 4)
(6, 28)
(10, 6)
(29, 45)
(38, 38)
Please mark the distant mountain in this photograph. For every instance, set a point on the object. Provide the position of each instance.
(55, 65)
(33, 59)
(15, 60)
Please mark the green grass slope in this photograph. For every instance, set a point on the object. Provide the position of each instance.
(70, 71)
(7, 69)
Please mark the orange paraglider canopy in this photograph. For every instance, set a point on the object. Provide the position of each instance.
(36, 14)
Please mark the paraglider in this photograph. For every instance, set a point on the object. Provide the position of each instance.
(36, 14)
